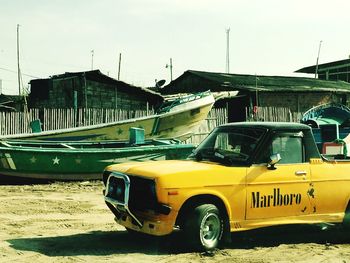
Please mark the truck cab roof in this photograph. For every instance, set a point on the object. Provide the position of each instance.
(270, 125)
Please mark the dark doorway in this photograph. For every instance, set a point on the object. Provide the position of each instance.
(236, 107)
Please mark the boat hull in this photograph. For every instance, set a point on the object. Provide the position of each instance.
(179, 122)
(80, 164)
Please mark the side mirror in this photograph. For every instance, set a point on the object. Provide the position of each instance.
(274, 158)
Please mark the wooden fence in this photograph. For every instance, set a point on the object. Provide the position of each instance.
(216, 117)
(67, 118)
(52, 119)
(273, 114)
(19, 122)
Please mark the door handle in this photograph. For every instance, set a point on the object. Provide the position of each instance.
(300, 173)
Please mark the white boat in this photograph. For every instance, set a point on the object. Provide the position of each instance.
(176, 119)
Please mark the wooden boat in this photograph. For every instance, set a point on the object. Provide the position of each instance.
(330, 125)
(80, 160)
(175, 119)
(330, 113)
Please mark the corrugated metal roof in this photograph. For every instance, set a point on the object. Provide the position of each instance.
(325, 66)
(265, 83)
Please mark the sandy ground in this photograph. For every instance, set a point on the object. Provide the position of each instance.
(69, 222)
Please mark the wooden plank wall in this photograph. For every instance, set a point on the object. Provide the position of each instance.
(17, 122)
(273, 114)
(216, 117)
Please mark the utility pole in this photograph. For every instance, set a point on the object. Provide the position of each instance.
(18, 68)
(171, 68)
(120, 59)
(256, 90)
(92, 59)
(316, 70)
(228, 50)
(116, 88)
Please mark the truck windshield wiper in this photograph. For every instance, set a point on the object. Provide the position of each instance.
(216, 155)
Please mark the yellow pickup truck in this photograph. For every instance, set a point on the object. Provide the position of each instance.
(241, 177)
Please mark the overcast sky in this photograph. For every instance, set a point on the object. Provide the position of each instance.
(267, 37)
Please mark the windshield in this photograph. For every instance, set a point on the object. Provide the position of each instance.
(229, 145)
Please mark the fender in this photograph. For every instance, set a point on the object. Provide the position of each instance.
(206, 191)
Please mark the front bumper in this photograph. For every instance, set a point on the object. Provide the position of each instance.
(153, 226)
(117, 196)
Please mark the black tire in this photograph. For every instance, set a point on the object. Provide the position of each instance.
(346, 220)
(204, 227)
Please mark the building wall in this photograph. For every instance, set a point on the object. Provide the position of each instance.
(339, 73)
(100, 95)
(299, 102)
(59, 93)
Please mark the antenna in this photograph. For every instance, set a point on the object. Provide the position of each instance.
(171, 68)
(92, 59)
(120, 59)
(18, 69)
(228, 50)
(319, 48)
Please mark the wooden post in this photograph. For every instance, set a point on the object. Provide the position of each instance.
(120, 59)
(18, 69)
(75, 105)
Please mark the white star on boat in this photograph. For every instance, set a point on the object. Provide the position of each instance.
(56, 160)
(33, 159)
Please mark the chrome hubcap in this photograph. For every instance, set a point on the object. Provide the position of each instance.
(210, 229)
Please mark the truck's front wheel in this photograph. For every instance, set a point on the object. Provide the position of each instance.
(204, 227)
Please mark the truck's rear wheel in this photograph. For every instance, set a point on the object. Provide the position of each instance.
(204, 227)
(346, 219)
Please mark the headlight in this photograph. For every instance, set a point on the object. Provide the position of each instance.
(116, 189)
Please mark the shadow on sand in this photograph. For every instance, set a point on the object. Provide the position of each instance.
(93, 243)
(12, 180)
(120, 242)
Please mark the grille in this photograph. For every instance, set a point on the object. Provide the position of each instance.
(142, 193)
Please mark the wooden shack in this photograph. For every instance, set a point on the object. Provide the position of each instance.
(335, 70)
(89, 89)
(254, 91)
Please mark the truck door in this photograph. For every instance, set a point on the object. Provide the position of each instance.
(332, 188)
(282, 190)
